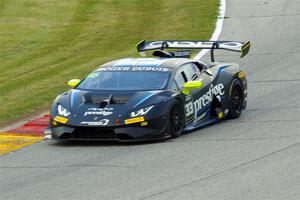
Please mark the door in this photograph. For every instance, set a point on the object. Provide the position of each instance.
(193, 102)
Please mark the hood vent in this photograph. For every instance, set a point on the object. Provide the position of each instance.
(103, 101)
(119, 99)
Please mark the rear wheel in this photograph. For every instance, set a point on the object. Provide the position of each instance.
(176, 119)
(236, 99)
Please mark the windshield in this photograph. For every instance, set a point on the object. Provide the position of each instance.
(120, 80)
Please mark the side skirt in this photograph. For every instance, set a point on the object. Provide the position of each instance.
(201, 124)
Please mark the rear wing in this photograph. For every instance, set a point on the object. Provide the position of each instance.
(237, 46)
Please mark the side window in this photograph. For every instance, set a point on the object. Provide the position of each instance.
(179, 79)
(198, 69)
(174, 86)
(191, 71)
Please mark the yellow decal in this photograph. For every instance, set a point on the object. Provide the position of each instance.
(220, 115)
(54, 123)
(134, 120)
(61, 119)
(144, 123)
(241, 74)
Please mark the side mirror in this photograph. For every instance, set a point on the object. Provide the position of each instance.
(191, 85)
(73, 82)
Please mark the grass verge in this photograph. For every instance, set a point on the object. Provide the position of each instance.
(44, 43)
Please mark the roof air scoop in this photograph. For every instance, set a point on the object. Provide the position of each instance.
(174, 54)
(162, 54)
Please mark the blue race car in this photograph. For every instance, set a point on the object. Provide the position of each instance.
(152, 98)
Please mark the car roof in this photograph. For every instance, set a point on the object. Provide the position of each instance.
(172, 63)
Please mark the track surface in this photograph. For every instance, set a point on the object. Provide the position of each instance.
(256, 156)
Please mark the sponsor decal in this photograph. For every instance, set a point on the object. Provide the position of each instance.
(152, 69)
(196, 44)
(204, 100)
(63, 111)
(132, 62)
(60, 119)
(140, 112)
(184, 54)
(134, 120)
(102, 122)
(99, 111)
(207, 98)
(188, 97)
(114, 69)
(196, 120)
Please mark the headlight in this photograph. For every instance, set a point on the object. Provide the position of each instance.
(142, 111)
(62, 111)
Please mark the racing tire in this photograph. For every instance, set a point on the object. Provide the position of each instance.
(176, 119)
(236, 99)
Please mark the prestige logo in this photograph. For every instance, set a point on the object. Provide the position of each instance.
(207, 98)
(99, 111)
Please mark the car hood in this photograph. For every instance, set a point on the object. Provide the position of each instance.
(88, 106)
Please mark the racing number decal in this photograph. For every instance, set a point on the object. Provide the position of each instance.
(189, 109)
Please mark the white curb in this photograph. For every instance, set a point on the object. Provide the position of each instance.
(218, 29)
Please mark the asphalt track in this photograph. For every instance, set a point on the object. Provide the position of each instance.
(254, 157)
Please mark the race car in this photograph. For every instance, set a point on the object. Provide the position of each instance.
(136, 99)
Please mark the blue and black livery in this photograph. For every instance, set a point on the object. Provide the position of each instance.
(136, 99)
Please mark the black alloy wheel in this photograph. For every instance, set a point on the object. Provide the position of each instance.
(236, 100)
(176, 123)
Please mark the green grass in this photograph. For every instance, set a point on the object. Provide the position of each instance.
(44, 43)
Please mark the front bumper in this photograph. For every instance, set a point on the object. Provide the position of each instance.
(155, 129)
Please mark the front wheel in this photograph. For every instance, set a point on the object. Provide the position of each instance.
(236, 97)
(176, 119)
